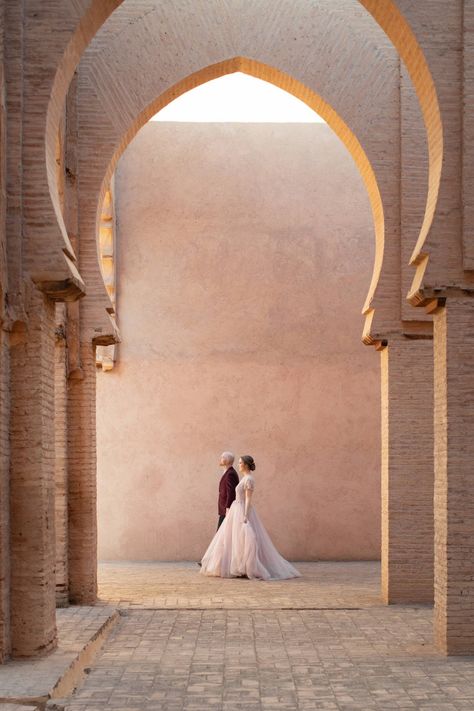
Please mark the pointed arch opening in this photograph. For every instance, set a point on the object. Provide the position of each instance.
(233, 242)
(317, 103)
(387, 15)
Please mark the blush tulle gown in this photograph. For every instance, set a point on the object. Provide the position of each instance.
(240, 548)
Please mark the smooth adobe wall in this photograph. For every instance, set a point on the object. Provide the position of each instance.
(244, 255)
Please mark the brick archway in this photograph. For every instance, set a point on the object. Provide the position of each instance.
(300, 91)
(397, 28)
(122, 129)
(355, 101)
(433, 44)
(101, 91)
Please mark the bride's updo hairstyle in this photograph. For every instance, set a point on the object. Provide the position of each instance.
(248, 461)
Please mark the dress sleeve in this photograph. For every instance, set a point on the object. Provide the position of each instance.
(249, 483)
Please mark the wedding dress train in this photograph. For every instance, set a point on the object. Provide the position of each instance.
(244, 549)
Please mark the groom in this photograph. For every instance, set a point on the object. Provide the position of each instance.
(227, 485)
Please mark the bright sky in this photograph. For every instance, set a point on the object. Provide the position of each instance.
(238, 98)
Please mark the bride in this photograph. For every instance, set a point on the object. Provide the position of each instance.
(241, 546)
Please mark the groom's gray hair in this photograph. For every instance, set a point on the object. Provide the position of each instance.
(228, 457)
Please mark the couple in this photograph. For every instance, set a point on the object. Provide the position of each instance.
(241, 546)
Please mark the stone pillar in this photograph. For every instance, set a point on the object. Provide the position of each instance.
(82, 486)
(4, 496)
(454, 475)
(4, 367)
(61, 469)
(407, 470)
(33, 618)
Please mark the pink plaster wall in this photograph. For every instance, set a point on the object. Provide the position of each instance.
(244, 255)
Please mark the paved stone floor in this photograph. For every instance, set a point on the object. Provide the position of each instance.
(36, 679)
(178, 585)
(324, 641)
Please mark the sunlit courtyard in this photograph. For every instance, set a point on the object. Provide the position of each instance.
(324, 641)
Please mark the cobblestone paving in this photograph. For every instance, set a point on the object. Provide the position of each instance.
(258, 657)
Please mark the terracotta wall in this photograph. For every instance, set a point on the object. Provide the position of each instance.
(244, 256)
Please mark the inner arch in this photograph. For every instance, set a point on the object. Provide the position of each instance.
(237, 98)
(304, 94)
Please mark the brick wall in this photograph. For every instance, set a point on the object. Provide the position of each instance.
(439, 31)
(4, 371)
(3, 165)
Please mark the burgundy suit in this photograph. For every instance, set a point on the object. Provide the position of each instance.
(227, 485)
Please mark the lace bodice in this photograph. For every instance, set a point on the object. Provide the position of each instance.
(247, 482)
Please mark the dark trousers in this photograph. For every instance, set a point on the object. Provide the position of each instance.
(221, 518)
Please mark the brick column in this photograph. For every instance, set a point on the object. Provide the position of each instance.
(407, 471)
(33, 618)
(454, 476)
(61, 454)
(4, 496)
(82, 487)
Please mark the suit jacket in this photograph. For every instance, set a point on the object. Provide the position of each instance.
(227, 485)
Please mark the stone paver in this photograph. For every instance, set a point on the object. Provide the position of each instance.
(23, 680)
(353, 654)
(178, 585)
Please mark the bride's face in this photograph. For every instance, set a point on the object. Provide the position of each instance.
(242, 467)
